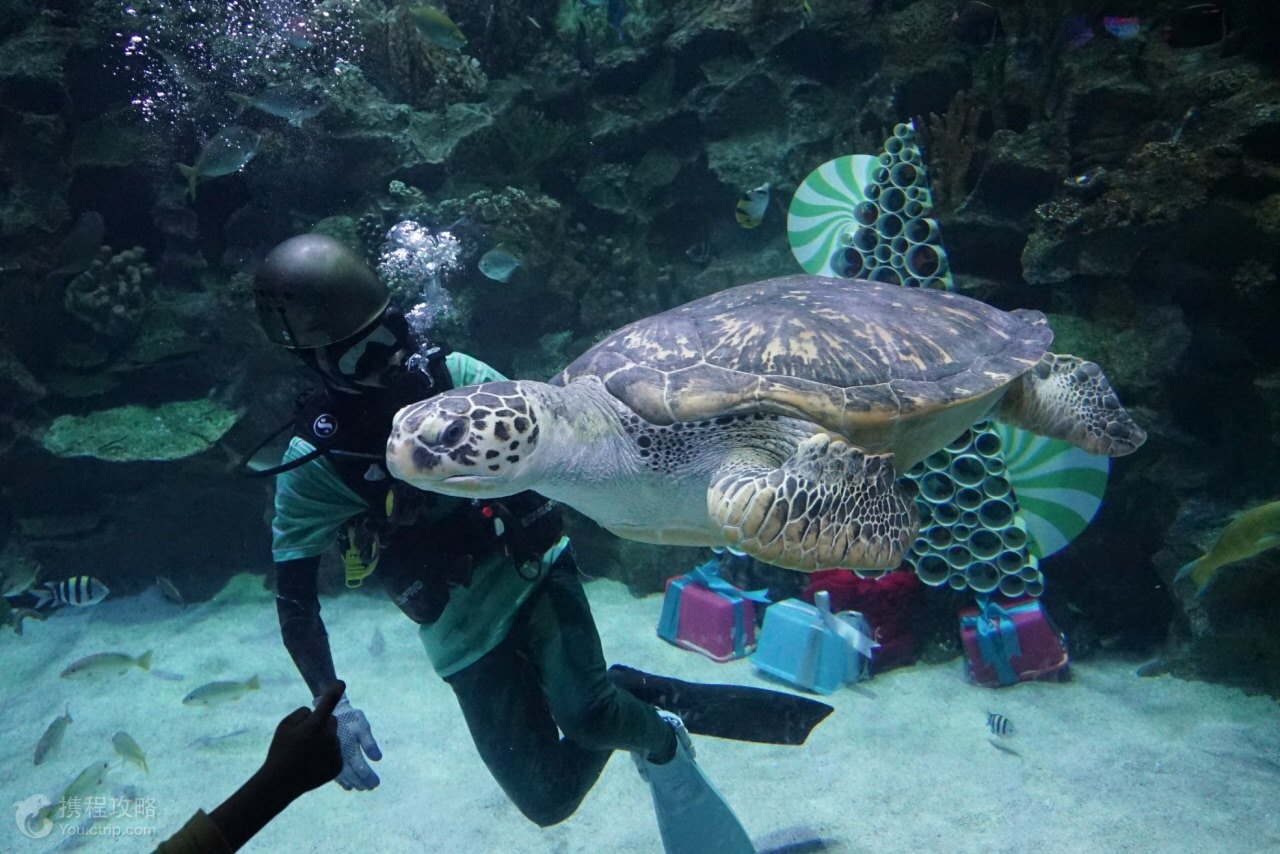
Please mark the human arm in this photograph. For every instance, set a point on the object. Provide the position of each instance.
(305, 637)
(312, 504)
(304, 754)
(301, 628)
(468, 370)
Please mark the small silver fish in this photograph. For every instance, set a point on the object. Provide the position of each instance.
(17, 615)
(170, 591)
(86, 783)
(1003, 748)
(226, 152)
(105, 664)
(52, 737)
(215, 741)
(701, 252)
(222, 691)
(80, 591)
(129, 749)
(295, 104)
(499, 263)
(999, 725)
(168, 675)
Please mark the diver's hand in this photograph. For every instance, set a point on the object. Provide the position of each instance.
(357, 742)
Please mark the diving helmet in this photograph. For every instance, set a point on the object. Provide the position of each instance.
(313, 291)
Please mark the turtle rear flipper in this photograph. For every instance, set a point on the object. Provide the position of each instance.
(828, 505)
(1065, 397)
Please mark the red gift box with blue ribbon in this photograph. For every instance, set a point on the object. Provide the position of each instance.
(705, 613)
(1010, 641)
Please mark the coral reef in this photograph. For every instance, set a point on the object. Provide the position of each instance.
(170, 431)
(423, 74)
(950, 142)
(111, 296)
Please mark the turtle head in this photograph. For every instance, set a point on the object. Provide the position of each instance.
(475, 441)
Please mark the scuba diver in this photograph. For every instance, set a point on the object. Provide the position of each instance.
(492, 585)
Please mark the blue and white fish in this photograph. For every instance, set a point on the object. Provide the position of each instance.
(751, 207)
(81, 590)
(999, 725)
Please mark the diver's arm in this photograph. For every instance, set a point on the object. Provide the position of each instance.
(468, 370)
(298, 607)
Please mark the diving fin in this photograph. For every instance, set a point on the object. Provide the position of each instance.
(693, 817)
(738, 712)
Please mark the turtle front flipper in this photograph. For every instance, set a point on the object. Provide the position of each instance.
(1065, 397)
(828, 505)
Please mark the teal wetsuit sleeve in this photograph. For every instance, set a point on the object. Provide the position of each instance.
(468, 370)
(312, 505)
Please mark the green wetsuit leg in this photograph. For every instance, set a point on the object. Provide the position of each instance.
(548, 675)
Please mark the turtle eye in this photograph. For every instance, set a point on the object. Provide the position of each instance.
(455, 432)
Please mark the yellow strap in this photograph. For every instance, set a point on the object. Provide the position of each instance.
(354, 567)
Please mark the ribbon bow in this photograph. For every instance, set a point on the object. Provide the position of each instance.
(847, 625)
(997, 638)
(708, 576)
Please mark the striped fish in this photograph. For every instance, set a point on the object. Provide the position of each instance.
(999, 725)
(80, 591)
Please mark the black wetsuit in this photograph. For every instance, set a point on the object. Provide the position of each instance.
(518, 688)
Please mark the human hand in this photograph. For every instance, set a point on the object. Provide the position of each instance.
(357, 742)
(305, 752)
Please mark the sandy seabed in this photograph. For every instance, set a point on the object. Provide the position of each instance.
(1108, 762)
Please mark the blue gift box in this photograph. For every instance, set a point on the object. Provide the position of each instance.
(704, 613)
(809, 646)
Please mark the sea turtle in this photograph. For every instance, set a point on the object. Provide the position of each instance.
(774, 417)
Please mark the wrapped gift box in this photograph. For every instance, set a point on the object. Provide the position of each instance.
(704, 613)
(890, 602)
(809, 646)
(1009, 641)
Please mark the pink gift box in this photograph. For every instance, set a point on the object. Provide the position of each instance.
(1011, 641)
(704, 613)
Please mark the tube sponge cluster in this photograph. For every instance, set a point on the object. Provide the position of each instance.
(970, 533)
(868, 217)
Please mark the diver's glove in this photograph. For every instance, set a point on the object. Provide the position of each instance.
(356, 740)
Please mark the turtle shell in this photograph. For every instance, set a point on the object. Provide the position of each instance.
(863, 359)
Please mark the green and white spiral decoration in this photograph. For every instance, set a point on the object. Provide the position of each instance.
(998, 499)
(865, 217)
(1059, 486)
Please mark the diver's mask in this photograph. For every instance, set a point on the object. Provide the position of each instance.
(373, 358)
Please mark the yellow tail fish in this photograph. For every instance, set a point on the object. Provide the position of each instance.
(1252, 532)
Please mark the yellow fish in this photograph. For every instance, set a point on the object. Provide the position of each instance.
(52, 737)
(1250, 533)
(105, 664)
(437, 27)
(220, 692)
(129, 749)
(752, 205)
